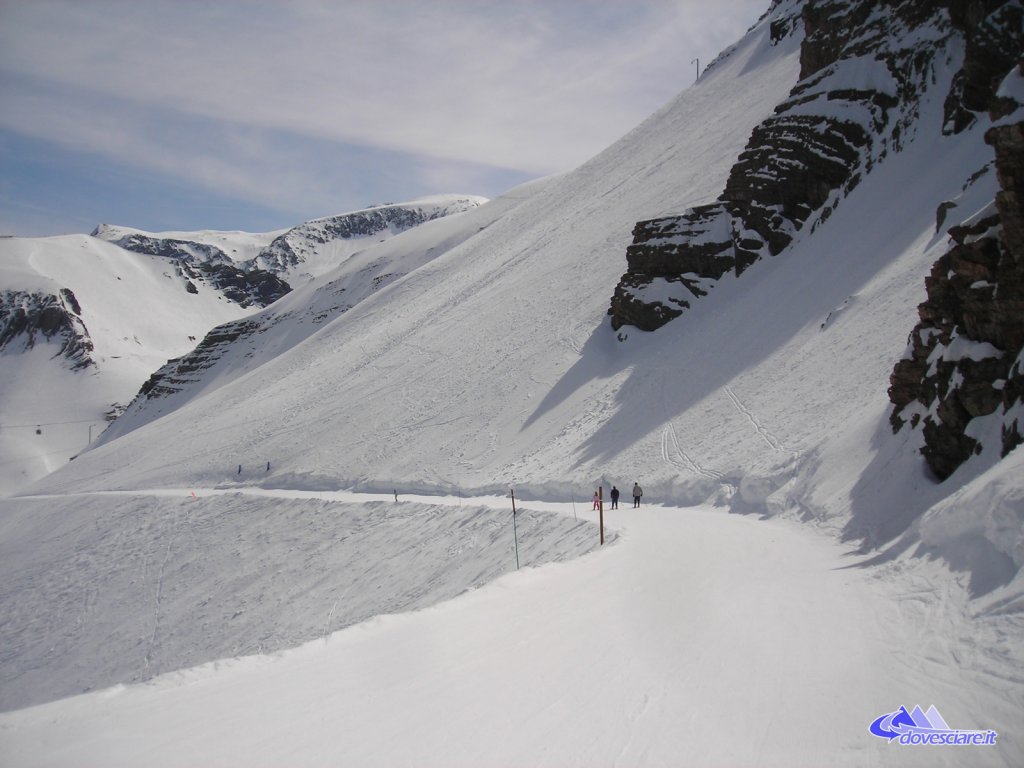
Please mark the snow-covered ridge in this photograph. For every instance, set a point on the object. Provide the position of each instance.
(302, 247)
(307, 250)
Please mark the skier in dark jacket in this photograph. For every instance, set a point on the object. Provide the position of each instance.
(637, 493)
(615, 497)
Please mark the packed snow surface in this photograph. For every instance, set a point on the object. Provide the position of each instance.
(696, 638)
(176, 580)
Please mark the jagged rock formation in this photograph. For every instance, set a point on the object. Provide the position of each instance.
(992, 34)
(838, 122)
(26, 318)
(180, 372)
(202, 262)
(965, 356)
(255, 287)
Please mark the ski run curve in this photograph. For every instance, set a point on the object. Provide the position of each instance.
(696, 638)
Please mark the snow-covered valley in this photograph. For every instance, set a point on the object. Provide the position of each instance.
(296, 545)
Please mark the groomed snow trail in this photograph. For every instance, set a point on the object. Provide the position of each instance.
(699, 638)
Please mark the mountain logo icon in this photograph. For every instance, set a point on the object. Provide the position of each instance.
(919, 728)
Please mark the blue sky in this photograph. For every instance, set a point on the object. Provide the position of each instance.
(257, 115)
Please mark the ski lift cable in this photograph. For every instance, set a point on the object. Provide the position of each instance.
(50, 424)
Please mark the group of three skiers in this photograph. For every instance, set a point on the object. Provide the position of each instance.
(637, 493)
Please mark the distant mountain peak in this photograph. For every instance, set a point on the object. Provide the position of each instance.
(290, 250)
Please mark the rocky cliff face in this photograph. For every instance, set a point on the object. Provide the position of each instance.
(27, 319)
(864, 69)
(181, 372)
(965, 359)
(992, 38)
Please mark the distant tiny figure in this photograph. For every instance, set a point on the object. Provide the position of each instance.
(637, 493)
(597, 501)
(615, 497)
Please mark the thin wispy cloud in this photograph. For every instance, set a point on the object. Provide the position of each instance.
(270, 102)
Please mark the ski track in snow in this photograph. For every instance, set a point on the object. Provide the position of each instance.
(767, 436)
(157, 604)
(670, 444)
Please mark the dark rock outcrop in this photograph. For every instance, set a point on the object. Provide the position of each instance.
(255, 287)
(28, 318)
(204, 263)
(179, 373)
(965, 355)
(669, 262)
(992, 35)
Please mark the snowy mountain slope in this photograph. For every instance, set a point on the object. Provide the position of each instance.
(240, 347)
(450, 375)
(494, 364)
(115, 307)
(123, 313)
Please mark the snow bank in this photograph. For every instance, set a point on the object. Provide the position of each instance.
(117, 589)
(990, 509)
